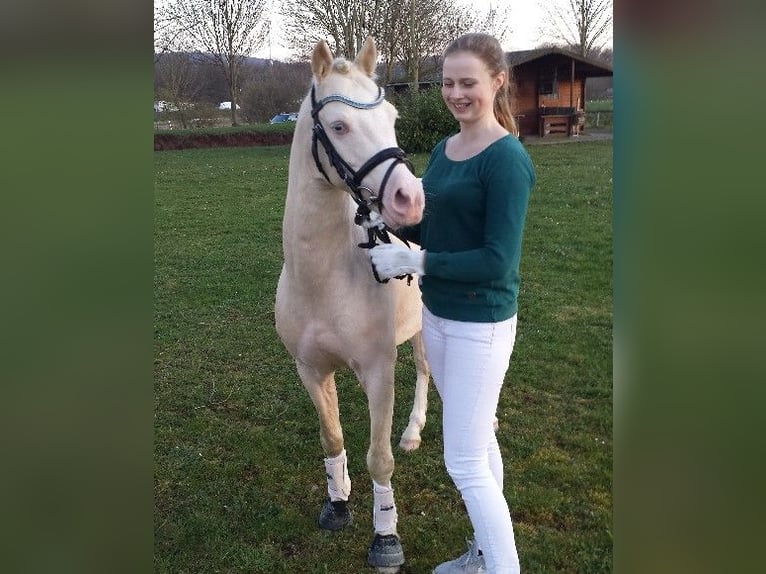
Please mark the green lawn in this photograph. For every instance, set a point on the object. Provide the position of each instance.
(599, 114)
(239, 478)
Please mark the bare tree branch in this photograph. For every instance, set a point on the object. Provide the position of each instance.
(405, 31)
(228, 31)
(177, 83)
(344, 24)
(584, 26)
(495, 22)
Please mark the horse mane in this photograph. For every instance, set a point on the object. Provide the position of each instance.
(341, 65)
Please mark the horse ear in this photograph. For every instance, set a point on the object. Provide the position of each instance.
(321, 60)
(367, 58)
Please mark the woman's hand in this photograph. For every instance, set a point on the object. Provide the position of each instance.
(392, 260)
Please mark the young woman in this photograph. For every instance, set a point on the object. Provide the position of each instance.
(477, 187)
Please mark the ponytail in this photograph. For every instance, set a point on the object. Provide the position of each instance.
(503, 110)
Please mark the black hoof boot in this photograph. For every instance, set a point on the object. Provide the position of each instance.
(335, 515)
(385, 553)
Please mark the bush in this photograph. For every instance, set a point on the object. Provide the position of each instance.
(205, 115)
(423, 121)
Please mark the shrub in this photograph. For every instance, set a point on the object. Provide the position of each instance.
(423, 121)
(205, 115)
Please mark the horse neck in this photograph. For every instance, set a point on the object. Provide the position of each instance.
(318, 232)
(319, 213)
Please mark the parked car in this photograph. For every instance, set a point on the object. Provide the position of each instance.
(226, 106)
(284, 117)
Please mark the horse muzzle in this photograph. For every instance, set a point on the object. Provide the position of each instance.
(404, 200)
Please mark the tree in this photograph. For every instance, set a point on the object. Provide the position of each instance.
(416, 32)
(404, 31)
(390, 36)
(343, 24)
(274, 88)
(228, 31)
(177, 82)
(583, 25)
(432, 24)
(495, 22)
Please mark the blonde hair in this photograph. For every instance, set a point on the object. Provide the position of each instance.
(489, 51)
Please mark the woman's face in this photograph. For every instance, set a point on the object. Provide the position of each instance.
(468, 88)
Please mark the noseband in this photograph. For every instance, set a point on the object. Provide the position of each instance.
(353, 178)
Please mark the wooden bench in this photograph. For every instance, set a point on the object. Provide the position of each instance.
(552, 124)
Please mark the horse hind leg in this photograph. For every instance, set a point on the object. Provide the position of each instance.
(321, 388)
(411, 437)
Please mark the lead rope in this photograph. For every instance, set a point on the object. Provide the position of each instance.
(381, 230)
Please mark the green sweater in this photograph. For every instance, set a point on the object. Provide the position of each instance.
(472, 230)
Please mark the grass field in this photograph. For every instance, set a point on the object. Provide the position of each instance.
(239, 478)
(599, 105)
(599, 114)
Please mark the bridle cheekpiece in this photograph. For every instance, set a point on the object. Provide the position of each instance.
(353, 178)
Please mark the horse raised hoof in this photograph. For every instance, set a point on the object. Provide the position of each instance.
(409, 445)
(335, 515)
(385, 553)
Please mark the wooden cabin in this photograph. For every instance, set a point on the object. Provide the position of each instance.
(549, 98)
(549, 90)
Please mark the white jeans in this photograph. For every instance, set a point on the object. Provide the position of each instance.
(468, 363)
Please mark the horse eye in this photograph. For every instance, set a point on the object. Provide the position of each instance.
(339, 128)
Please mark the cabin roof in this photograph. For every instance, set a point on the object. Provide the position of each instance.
(593, 67)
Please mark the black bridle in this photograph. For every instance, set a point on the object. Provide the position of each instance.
(353, 178)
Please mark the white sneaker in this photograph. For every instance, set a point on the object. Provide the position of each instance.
(469, 563)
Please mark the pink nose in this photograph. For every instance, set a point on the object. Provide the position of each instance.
(407, 205)
(402, 202)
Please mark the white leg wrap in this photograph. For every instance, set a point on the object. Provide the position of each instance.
(338, 481)
(384, 510)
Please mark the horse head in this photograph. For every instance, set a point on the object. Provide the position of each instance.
(355, 126)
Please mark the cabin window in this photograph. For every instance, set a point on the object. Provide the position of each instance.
(548, 85)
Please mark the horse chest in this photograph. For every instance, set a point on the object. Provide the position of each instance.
(341, 339)
(337, 322)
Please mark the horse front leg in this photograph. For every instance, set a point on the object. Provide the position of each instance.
(411, 437)
(321, 388)
(385, 552)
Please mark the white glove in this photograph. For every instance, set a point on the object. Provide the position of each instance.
(392, 260)
(375, 220)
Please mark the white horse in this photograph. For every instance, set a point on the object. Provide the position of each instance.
(330, 309)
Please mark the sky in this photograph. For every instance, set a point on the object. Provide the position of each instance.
(525, 15)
